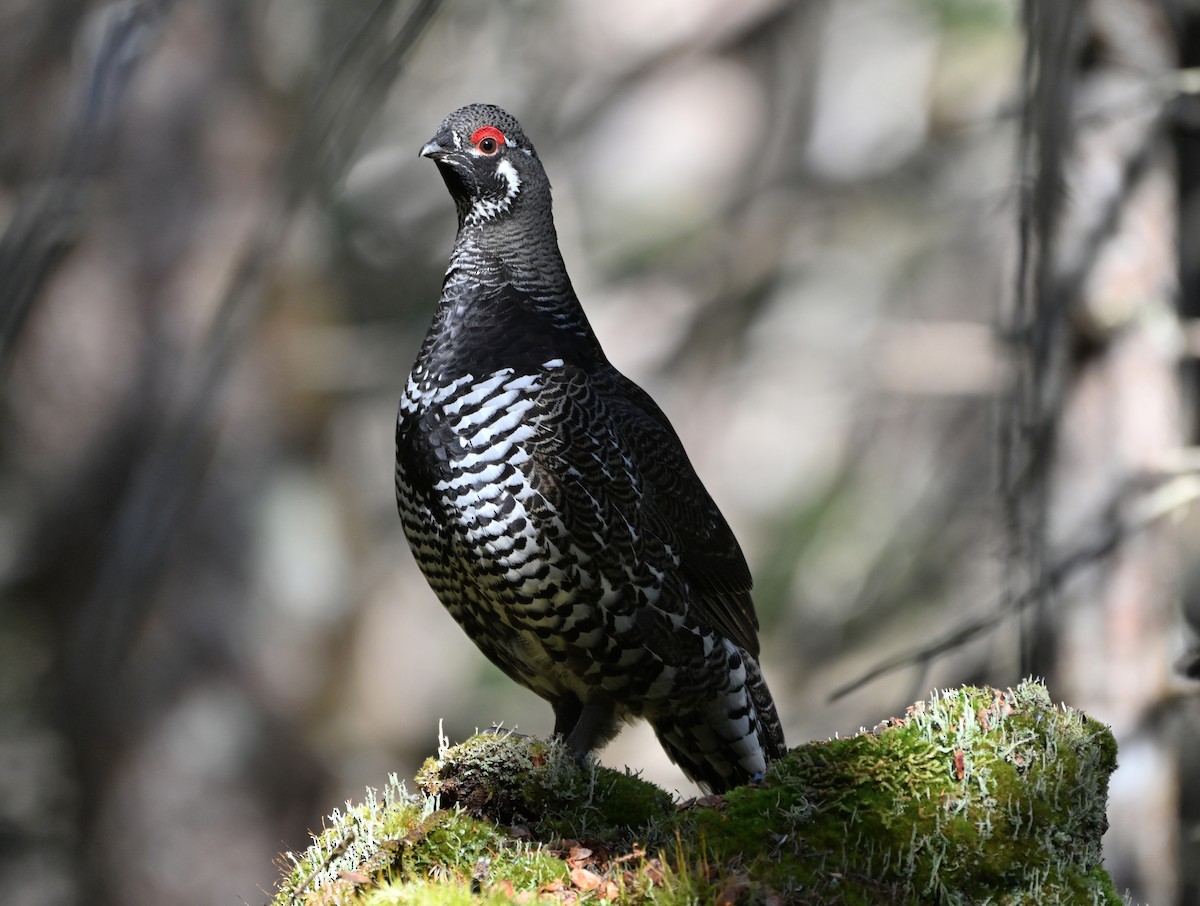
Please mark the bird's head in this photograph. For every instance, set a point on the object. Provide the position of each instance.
(488, 164)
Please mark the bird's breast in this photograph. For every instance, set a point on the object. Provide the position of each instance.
(464, 454)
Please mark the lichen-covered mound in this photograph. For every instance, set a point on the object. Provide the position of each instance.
(975, 796)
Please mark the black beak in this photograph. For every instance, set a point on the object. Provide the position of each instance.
(438, 146)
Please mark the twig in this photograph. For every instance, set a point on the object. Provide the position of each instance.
(46, 224)
(168, 480)
(1169, 495)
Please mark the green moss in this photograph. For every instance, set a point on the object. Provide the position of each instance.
(395, 844)
(433, 893)
(537, 785)
(974, 796)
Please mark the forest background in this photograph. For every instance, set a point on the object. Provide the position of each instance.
(916, 281)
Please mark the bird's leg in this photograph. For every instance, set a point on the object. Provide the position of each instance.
(595, 726)
(566, 714)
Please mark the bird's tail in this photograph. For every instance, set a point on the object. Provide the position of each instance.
(729, 738)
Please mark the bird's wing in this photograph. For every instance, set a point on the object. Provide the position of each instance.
(613, 458)
(711, 558)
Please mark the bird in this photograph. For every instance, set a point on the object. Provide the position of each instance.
(551, 505)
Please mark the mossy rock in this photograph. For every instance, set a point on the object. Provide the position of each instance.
(975, 796)
(536, 786)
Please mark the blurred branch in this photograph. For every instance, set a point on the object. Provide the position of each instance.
(45, 226)
(1191, 337)
(1027, 435)
(1177, 487)
(157, 503)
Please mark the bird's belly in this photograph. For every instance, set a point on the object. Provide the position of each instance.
(557, 610)
(531, 602)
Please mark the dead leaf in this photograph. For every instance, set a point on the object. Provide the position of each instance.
(585, 880)
(710, 801)
(654, 871)
(504, 886)
(578, 855)
(732, 891)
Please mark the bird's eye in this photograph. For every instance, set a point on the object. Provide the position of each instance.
(488, 139)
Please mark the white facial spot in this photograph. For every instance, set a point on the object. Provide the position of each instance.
(509, 172)
(486, 209)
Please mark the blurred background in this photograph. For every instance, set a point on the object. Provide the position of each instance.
(915, 280)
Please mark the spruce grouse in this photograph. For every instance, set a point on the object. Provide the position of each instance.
(549, 501)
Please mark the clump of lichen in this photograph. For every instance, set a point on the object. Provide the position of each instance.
(539, 787)
(395, 841)
(976, 795)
